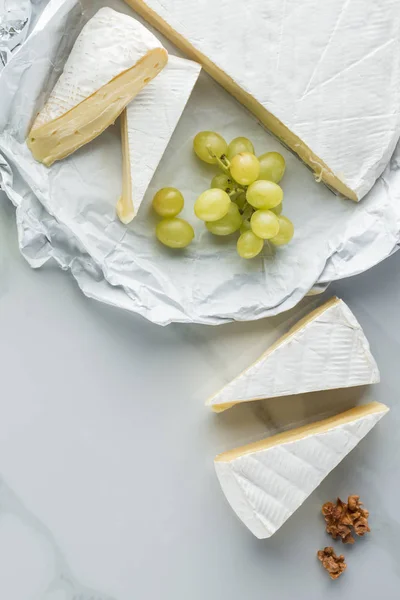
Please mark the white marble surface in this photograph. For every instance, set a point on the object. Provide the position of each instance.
(107, 488)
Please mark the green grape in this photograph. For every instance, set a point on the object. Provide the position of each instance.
(239, 144)
(245, 226)
(245, 168)
(249, 245)
(277, 209)
(264, 194)
(272, 166)
(168, 202)
(208, 144)
(240, 200)
(286, 232)
(222, 182)
(174, 233)
(230, 223)
(265, 224)
(212, 205)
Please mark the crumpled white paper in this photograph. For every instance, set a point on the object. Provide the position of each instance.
(17, 19)
(67, 212)
(14, 22)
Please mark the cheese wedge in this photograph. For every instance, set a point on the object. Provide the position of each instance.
(329, 93)
(266, 482)
(147, 125)
(325, 350)
(113, 58)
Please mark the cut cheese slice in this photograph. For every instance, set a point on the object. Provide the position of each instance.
(147, 125)
(325, 350)
(266, 482)
(113, 58)
(329, 93)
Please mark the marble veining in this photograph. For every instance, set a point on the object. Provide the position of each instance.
(32, 565)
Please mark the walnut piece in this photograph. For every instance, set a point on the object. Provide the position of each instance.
(335, 565)
(343, 519)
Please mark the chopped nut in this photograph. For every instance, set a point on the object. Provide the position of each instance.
(341, 518)
(353, 503)
(359, 515)
(335, 565)
(361, 526)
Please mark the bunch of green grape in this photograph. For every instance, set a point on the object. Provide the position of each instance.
(244, 197)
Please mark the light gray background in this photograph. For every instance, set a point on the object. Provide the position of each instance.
(106, 451)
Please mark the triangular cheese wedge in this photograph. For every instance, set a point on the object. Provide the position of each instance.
(147, 125)
(325, 350)
(113, 58)
(266, 482)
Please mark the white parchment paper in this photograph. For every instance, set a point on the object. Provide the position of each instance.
(67, 212)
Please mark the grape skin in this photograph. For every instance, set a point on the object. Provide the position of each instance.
(168, 202)
(239, 144)
(264, 194)
(264, 224)
(286, 232)
(230, 223)
(222, 181)
(245, 168)
(174, 233)
(272, 166)
(209, 141)
(249, 245)
(212, 205)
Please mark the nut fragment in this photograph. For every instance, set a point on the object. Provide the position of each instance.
(334, 564)
(341, 518)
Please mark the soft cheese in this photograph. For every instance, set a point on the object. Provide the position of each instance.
(147, 125)
(113, 58)
(266, 482)
(325, 350)
(329, 93)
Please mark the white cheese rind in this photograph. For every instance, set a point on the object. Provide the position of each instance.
(307, 65)
(266, 487)
(109, 44)
(329, 351)
(150, 122)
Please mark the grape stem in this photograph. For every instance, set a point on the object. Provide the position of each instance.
(234, 190)
(222, 161)
(225, 162)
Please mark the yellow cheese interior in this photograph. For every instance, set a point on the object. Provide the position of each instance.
(276, 127)
(299, 325)
(297, 434)
(59, 138)
(125, 208)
